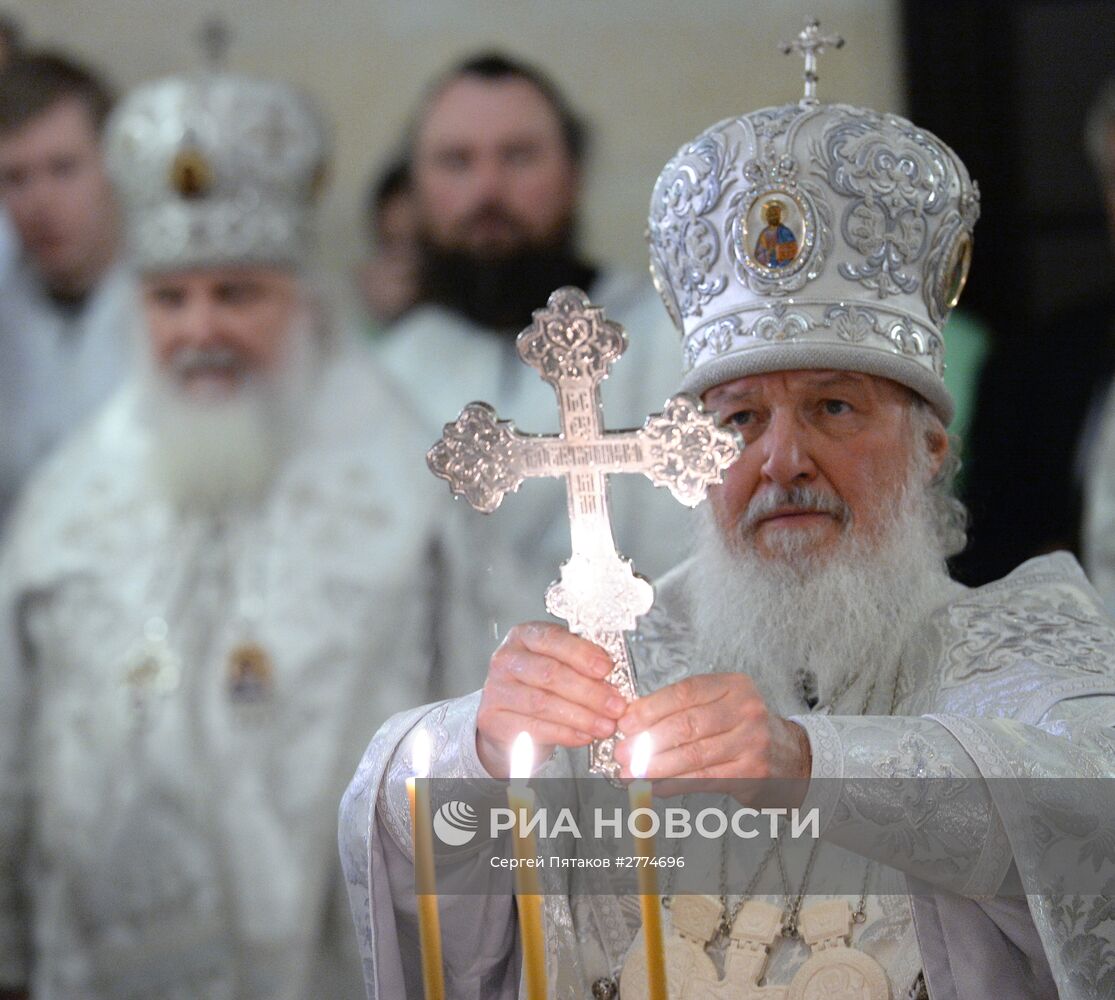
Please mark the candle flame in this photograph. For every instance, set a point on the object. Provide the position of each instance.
(640, 756)
(420, 754)
(522, 757)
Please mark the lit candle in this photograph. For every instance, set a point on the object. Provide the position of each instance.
(429, 926)
(639, 797)
(528, 885)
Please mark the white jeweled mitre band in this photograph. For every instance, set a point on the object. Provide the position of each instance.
(813, 236)
(216, 169)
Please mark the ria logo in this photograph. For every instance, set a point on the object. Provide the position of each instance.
(456, 823)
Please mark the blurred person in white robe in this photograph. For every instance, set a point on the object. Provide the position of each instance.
(211, 592)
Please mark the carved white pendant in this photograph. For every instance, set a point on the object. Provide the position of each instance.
(690, 973)
(694, 920)
(834, 971)
(756, 927)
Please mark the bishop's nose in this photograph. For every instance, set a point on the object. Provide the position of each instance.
(198, 322)
(787, 461)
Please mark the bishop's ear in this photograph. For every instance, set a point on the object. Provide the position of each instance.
(930, 436)
(937, 445)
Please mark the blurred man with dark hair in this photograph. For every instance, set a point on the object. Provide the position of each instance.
(388, 279)
(497, 160)
(64, 302)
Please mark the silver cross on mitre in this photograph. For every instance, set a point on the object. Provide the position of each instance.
(809, 44)
(215, 37)
(572, 346)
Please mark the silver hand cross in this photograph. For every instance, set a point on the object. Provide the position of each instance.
(572, 346)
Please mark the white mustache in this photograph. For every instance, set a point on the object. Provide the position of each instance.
(189, 360)
(803, 498)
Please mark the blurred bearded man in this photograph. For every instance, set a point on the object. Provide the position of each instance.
(213, 591)
(497, 159)
(814, 637)
(66, 303)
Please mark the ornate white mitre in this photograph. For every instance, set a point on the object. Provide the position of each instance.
(215, 169)
(813, 236)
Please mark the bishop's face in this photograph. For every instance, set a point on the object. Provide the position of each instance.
(492, 173)
(844, 437)
(213, 329)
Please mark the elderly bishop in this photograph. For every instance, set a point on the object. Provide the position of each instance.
(814, 633)
(214, 592)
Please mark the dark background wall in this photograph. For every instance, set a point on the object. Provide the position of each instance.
(1008, 85)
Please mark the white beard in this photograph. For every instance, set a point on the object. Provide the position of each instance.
(212, 454)
(831, 626)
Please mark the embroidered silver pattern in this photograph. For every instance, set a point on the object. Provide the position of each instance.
(770, 123)
(684, 245)
(916, 757)
(854, 324)
(716, 338)
(781, 325)
(1065, 637)
(909, 338)
(895, 181)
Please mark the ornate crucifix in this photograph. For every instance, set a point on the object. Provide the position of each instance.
(809, 44)
(572, 346)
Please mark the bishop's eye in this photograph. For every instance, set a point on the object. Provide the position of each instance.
(167, 296)
(740, 418)
(836, 407)
(239, 293)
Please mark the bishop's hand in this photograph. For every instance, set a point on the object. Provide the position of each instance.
(716, 728)
(550, 683)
